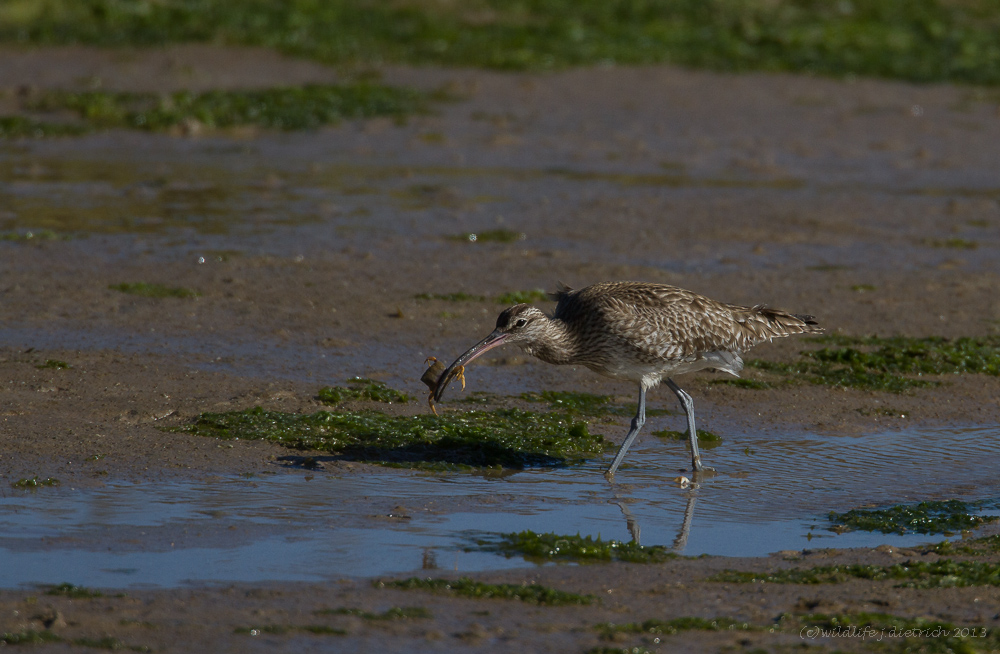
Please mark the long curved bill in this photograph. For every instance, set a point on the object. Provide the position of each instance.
(495, 339)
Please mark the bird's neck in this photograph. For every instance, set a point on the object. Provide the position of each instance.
(557, 344)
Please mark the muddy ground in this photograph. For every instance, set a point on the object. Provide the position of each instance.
(835, 198)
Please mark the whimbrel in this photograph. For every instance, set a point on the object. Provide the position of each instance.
(642, 332)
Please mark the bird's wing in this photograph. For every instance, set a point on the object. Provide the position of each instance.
(668, 322)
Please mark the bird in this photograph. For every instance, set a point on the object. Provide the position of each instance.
(641, 332)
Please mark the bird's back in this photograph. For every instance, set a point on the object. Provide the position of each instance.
(626, 329)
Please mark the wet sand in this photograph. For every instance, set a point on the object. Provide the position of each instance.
(826, 197)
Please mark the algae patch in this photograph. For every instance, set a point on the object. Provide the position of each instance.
(361, 388)
(288, 108)
(585, 404)
(923, 518)
(508, 438)
(674, 626)
(72, 591)
(916, 40)
(33, 483)
(550, 547)
(706, 438)
(530, 593)
(943, 573)
(893, 364)
(393, 613)
(522, 297)
(491, 236)
(284, 629)
(144, 289)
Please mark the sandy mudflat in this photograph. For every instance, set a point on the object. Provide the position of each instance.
(832, 198)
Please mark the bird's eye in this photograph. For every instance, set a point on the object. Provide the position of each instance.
(521, 322)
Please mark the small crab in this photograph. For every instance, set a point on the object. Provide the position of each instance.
(432, 377)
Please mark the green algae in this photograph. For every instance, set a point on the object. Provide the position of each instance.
(522, 297)
(923, 518)
(944, 573)
(573, 402)
(144, 289)
(894, 364)
(287, 108)
(393, 613)
(706, 439)
(916, 40)
(460, 296)
(33, 236)
(29, 637)
(15, 127)
(284, 629)
(512, 297)
(33, 483)
(465, 587)
(585, 404)
(490, 236)
(548, 547)
(954, 243)
(753, 384)
(72, 591)
(508, 438)
(968, 547)
(673, 626)
(361, 389)
(53, 364)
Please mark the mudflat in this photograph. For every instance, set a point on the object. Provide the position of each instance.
(281, 263)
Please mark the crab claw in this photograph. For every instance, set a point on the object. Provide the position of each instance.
(457, 369)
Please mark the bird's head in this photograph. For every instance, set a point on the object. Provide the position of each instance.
(520, 324)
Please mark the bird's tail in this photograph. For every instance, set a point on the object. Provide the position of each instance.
(760, 324)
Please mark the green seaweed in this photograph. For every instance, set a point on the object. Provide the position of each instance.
(969, 547)
(29, 637)
(530, 593)
(361, 388)
(394, 613)
(673, 626)
(547, 547)
(943, 573)
(522, 297)
(954, 243)
(108, 642)
(283, 629)
(144, 289)
(451, 297)
(73, 591)
(706, 439)
(510, 438)
(32, 483)
(923, 518)
(916, 40)
(53, 364)
(862, 288)
(893, 364)
(754, 384)
(585, 404)
(14, 127)
(287, 108)
(490, 236)
(33, 236)
(572, 402)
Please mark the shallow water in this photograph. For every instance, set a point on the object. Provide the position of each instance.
(772, 492)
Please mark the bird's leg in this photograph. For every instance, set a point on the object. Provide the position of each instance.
(688, 405)
(637, 422)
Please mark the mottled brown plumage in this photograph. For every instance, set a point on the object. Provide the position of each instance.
(641, 332)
